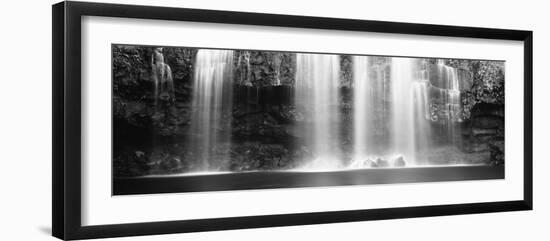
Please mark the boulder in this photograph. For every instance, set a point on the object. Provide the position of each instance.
(362, 163)
(382, 163)
(399, 162)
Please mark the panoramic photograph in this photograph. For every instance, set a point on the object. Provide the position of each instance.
(189, 119)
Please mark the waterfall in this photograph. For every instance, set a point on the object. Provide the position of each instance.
(448, 79)
(316, 94)
(244, 70)
(161, 75)
(410, 129)
(369, 107)
(363, 108)
(390, 118)
(402, 108)
(211, 105)
(277, 68)
(421, 86)
(421, 114)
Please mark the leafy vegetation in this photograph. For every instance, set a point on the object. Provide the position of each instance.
(488, 85)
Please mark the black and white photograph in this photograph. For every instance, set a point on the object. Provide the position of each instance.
(267, 121)
(189, 119)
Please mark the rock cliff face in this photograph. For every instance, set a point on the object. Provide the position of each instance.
(485, 131)
(264, 68)
(150, 139)
(133, 87)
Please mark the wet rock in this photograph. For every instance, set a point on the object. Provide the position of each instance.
(259, 126)
(265, 68)
(466, 79)
(487, 109)
(476, 146)
(129, 164)
(362, 163)
(259, 156)
(486, 131)
(450, 154)
(497, 153)
(163, 161)
(487, 122)
(140, 154)
(382, 163)
(399, 162)
(346, 70)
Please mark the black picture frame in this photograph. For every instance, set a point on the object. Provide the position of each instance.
(66, 128)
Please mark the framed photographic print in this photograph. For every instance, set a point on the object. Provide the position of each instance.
(171, 120)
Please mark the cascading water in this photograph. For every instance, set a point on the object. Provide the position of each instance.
(316, 94)
(211, 105)
(277, 68)
(369, 107)
(448, 79)
(402, 129)
(281, 114)
(363, 107)
(244, 69)
(162, 77)
(409, 108)
(391, 116)
(421, 101)
(380, 134)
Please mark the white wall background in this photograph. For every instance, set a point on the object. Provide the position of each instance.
(25, 119)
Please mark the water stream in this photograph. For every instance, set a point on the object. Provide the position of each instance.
(317, 79)
(162, 77)
(393, 128)
(211, 105)
(448, 80)
(390, 114)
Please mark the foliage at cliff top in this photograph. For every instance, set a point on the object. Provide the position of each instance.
(488, 86)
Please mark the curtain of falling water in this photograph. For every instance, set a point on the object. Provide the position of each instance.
(448, 77)
(162, 77)
(409, 128)
(421, 108)
(317, 77)
(368, 107)
(402, 109)
(211, 105)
